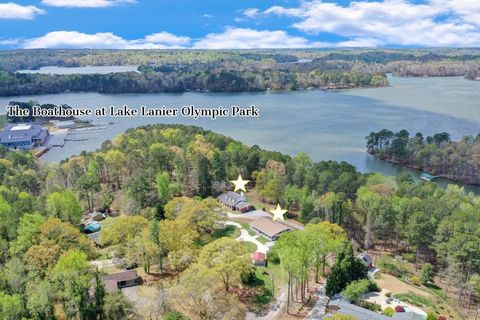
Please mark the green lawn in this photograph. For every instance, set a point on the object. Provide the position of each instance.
(415, 299)
(108, 221)
(229, 231)
(246, 226)
(251, 247)
(262, 239)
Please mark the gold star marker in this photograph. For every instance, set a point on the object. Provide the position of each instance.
(240, 184)
(278, 213)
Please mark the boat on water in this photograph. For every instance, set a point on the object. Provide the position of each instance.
(427, 176)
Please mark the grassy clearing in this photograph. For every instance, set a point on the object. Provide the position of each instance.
(416, 300)
(393, 266)
(108, 221)
(251, 247)
(229, 231)
(269, 281)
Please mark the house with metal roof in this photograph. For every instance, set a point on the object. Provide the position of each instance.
(259, 259)
(23, 136)
(235, 201)
(270, 229)
(92, 228)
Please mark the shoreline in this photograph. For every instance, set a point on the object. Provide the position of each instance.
(420, 170)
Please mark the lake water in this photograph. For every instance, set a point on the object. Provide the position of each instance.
(326, 125)
(82, 70)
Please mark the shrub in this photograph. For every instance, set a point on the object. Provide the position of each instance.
(414, 280)
(431, 315)
(355, 289)
(410, 257)
(427, 273)
(373, 287)
(389, 312)
(174, 315)
(273, 256)
(394, 267)
(368, 305)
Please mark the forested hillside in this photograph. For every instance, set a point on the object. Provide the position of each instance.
(158, 179)
(229, 70)
(438, 154)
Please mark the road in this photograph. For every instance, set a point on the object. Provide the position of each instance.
(318, 311)
(275, 311)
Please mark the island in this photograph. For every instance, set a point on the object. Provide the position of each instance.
(436, 155)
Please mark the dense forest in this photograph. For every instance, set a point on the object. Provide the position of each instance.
(229, 70)
(437, 154)
(160, 179)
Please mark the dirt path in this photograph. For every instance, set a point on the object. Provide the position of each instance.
(275, 311)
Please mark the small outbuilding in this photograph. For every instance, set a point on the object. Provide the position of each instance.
(399, 309)
(259, 259)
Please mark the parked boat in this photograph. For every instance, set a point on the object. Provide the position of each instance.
(427, 176)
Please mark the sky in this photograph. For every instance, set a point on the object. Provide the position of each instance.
(241, 24)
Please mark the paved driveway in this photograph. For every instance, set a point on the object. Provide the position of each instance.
(318, 311)
(245, 236)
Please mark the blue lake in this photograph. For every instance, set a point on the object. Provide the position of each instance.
(325, 124)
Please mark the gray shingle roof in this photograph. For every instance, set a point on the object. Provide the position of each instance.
(233, 199)
(347, 308)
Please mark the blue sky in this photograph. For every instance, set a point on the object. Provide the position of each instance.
(213, 24)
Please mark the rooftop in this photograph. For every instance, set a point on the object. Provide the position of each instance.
(345, 307)
(260, 256)
(269, 227)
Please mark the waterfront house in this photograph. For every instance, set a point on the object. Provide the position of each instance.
(235, 201)
(23, 136)
(270, 229)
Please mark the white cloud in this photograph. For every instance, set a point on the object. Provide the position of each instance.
(79, 40)
(391, 22)
(251, 12)
(231, 38)
(246, 38)
(85, 3)
(168, 39)
(12, 10)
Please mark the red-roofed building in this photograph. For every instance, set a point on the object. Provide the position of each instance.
(259, 259)
(399, 309)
